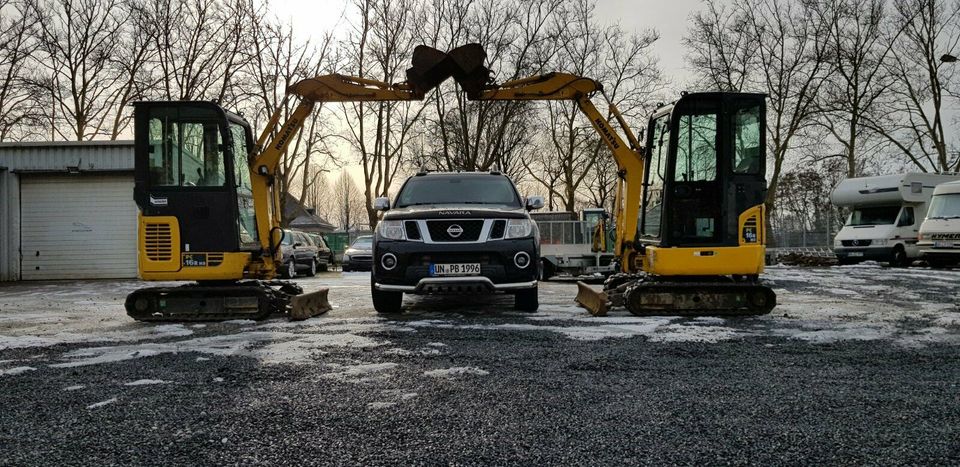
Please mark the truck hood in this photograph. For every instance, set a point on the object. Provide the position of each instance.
(866, 232)
(452, 211)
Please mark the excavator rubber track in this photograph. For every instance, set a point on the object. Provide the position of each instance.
(254, 300)
(660, 298)
(646, 296)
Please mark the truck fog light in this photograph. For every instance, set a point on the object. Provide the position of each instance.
(388, 261)
(521, 259)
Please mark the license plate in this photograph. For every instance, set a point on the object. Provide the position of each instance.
(856, 253)
(942, 244)
(455, 269)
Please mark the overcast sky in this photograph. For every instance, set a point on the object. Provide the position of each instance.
(667, 16)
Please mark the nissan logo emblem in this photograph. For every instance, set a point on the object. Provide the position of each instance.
(454, 231)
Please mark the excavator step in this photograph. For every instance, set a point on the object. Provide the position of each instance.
(254, 300)
(660, 298)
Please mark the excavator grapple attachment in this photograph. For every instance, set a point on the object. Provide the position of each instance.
(595, 302)
(308, 305)
(430, 67)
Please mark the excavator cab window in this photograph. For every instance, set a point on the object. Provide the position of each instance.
(246, 220)
(746, 139)
(656, 169)
(185, 153)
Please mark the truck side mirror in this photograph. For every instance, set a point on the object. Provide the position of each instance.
(381, 204)
(534, 203)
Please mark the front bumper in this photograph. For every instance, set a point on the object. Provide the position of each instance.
(358, 264)
(456, 285)
(498, 273)
(864, 254)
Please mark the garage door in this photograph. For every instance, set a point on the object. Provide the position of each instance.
(77, 227)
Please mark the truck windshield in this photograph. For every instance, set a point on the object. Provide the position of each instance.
(945, 206)
(482, 189)
(876, 215)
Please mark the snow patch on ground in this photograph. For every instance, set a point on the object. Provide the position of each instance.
(148, 332)
(145, 382)
(380, 405)
(269, 347)
(17, 370)
(362, 372)
(102, 403)
(456, 371)
(75, 387)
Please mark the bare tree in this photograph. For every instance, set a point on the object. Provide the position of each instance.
(77, 42)
(201, 45)
(279, 60)
(18, 99)
(858, 46)
(912, 120)
(351, 209)
(379, 48)
(772, 46)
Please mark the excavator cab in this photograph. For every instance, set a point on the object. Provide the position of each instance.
(705, 166)
(192, 185)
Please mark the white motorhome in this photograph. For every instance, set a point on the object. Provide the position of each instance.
(885, 217)
(940, 233)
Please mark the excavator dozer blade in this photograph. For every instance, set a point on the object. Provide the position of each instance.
(308, 305)
(430, 67)
(595, 302)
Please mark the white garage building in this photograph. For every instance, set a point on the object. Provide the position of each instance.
(67, 211)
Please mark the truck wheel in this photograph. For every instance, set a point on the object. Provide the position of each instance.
(313, 268)
(385, 302)
(527, 300)
(290, 271)
(900, 259)
(546, 270)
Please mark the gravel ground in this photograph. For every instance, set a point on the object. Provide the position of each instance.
(857, 365)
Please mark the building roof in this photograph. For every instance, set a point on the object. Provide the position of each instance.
(67, 156)
(304, 218)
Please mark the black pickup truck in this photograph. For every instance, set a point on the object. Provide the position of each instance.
(456, 233)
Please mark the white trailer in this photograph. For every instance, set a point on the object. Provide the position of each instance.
(939, 240)
(885, 217)
(566, 243)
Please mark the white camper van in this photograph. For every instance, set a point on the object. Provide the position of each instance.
(885, 217)
(940, 233)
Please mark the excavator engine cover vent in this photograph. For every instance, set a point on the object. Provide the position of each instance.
(158, 242)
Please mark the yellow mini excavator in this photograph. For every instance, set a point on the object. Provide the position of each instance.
(689, 207)
(209, 205)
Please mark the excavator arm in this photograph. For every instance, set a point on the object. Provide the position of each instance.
(268, 152)
(628, 157)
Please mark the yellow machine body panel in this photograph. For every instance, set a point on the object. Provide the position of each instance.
(161, 259)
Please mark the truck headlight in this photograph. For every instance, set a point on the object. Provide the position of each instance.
(519, 228)
(880, 242)
(391, 230)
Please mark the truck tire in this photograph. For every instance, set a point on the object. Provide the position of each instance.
(387, 303)
(546, 270)
(900, 258)
(527, 300)
(313, 268)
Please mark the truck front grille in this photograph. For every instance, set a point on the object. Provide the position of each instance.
(856, 242)
(413, 232)
(455, 231)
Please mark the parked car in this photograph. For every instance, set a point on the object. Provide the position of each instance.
(324, 253)
(299, 254)
(456, 233)
(359, 257)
